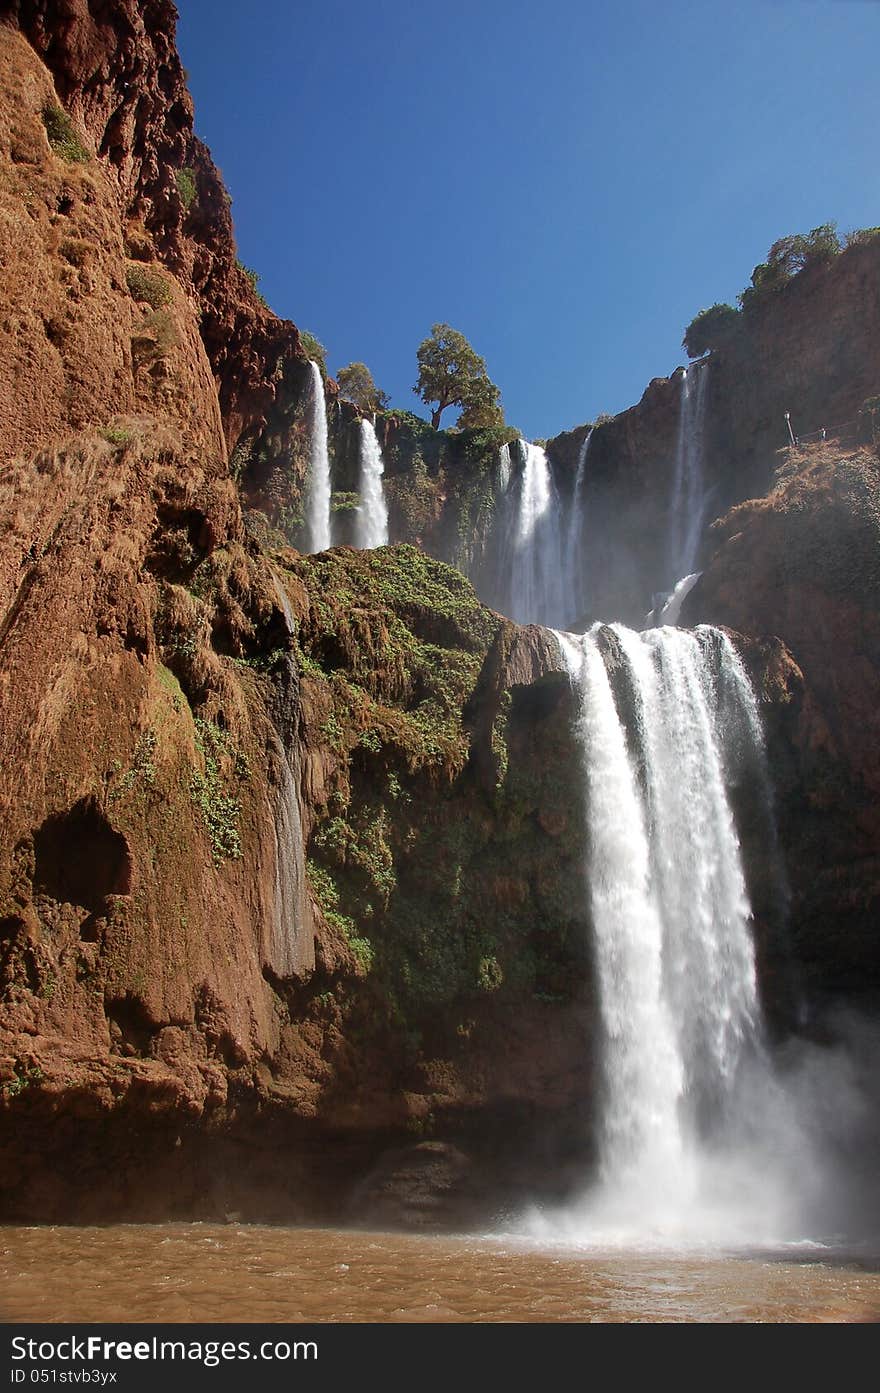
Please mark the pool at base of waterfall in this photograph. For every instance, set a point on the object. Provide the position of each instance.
(235, 1272)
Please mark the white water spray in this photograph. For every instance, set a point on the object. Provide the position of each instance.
(372, 515)
(317, 503)
(669, 610)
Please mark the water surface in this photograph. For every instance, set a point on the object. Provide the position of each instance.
(206, 1272)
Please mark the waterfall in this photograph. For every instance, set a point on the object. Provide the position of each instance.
(644, 1074)
(668, 607)
(293, 943)
(573, 562)
(680, 1028)
(529, 584)
(317, 500)
(372, 515)
(505, 466)
(690, 499)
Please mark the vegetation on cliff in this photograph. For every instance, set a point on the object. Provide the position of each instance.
(410, 849)
(357, 386)
(713, 328)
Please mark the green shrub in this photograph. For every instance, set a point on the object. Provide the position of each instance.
(147, 285)
(118, 435)
(219, 808)
(356, 385)
(253, 277)
(314, 349)
(186, 186)
(407, 420)
(62, 137)
(345, 502)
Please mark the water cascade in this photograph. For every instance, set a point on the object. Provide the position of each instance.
(573, 561)
(668, 608)
(317, 501)
(690, 499)
(372, 516)
(293, 933)
(529, 584)
(680, 1031)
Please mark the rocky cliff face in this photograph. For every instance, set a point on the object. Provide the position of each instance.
(115, 71)
(286, 909)
(803, 562)
(184, 710)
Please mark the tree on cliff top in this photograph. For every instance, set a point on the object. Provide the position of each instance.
(710, 329)
(451, 373)
(790, 255)
(356, 385)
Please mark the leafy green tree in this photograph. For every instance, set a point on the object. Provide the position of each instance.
(790, 255)
(356, 385)
(486, 415)
(861, 236)
(451, 373)
(710, 329)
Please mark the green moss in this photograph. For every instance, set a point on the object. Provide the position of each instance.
(214, 789)
(172, 688)
(141, 773)
(62, 137)
(345, 502)
(186, 186)
(452, 885)
(119, 436)
(414, 497)
(24, 1076)
(499, 738)
(326, 895)
(146, 284)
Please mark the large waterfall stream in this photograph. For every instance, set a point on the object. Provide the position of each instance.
(698, 1139)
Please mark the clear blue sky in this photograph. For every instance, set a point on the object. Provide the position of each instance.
(566, 183)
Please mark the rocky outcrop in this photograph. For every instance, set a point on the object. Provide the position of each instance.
(803, 563)
(115, 71)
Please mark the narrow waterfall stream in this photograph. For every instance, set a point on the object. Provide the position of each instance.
(574, 553)
(531, 582)
(317, 500)
(690, 498)
(372, 517)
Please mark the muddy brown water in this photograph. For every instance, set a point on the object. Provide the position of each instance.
(205, 1272)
